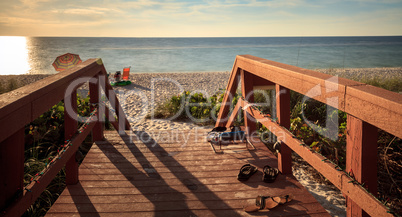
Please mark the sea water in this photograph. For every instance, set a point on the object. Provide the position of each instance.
(35, 55)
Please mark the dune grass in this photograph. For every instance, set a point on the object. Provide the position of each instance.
(10, 85)
(392, 84)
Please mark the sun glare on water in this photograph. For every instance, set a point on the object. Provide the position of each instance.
(13, 55)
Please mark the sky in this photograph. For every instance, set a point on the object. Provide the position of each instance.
(208, 18)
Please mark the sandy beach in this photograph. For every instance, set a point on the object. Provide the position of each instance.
(149, 90)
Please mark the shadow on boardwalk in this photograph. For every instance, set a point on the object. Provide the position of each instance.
(184, 176)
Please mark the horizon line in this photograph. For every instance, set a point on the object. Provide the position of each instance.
(323, 36)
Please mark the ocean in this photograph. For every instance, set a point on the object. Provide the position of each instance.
(35, 55)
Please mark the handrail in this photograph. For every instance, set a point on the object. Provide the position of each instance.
(374, 105)
(25, 104)
(22, 106)
(368, 108)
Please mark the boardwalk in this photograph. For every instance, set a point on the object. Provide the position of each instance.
(160, 174)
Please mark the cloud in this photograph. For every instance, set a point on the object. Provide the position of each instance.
(33, 3)
(83, 11)
(193, 17)
(96, 12)
(227, 5)
(11, 21)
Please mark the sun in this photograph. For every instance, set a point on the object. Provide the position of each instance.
(13, 55)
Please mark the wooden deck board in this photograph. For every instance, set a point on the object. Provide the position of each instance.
(147, 177)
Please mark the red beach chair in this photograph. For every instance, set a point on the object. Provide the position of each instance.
(126, 73)
(124, 79)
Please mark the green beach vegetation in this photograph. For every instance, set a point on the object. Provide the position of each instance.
(198, 106)
(43, 138)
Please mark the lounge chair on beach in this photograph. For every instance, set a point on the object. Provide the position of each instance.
(126, 73)
(125, 78)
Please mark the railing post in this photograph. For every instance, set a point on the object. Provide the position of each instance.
(283, 114)
(94, 90)
(11, 168)
(361, 162)
(227, 99)
(70, 128)
(248, 94)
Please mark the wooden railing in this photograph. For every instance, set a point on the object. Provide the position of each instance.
(20, 107)
(368, 108)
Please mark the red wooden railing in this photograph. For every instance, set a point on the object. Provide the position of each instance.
(22, 106)
(368, 109)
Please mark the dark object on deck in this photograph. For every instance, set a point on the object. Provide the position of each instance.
(269, 174)
(246, 171)
(268, 202)
(217, 136)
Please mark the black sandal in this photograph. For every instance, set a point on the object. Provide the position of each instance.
(246, 171)
(263, 202)
(269, 174)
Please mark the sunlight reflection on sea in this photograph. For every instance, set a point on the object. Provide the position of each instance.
(13, 55)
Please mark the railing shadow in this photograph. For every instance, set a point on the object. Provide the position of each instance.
(82, 201)
(190, 181)
(150, 174)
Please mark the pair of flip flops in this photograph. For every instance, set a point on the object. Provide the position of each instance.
(246, 171)
(269, 173)
(268, 202)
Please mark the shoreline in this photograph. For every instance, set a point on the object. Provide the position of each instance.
(349, 73)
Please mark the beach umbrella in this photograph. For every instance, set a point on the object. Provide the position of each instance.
(66, 61)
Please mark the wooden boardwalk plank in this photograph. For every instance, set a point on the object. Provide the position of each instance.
(135, 177)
